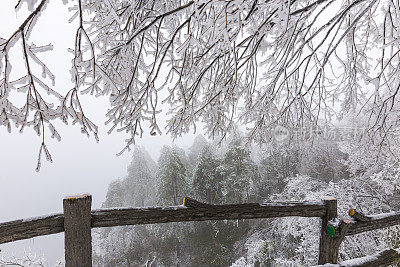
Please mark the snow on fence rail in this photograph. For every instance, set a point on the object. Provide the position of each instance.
(32, 227)
(382, 258)
(190, 211)
(196, 211)
(374, 222)
(78, 219)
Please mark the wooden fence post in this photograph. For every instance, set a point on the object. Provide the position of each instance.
(327, 249)
(77, 226)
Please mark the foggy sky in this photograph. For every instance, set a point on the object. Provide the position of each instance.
(80, 164)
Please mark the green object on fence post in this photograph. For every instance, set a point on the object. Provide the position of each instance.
(328, 253)
(330, 230)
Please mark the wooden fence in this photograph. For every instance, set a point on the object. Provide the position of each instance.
(78, 219)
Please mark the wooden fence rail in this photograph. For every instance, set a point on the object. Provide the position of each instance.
(382, 258)
(375, 222)
(52, 224)
(185, 213)
(78, 219)
(32, 227)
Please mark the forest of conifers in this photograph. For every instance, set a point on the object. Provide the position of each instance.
(235, 172)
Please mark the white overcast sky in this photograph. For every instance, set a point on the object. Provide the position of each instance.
(80, 164)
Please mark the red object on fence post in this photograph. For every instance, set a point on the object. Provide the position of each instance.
(77, 226)
(327, 249)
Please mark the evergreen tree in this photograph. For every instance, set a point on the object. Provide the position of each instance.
(172, 188)
(129, 245)
(207, 179)
(214, 243)
(275, 164)
(240, 174)
(173, 185)
(196, 149)
(324, 161)
(140, 184)
(115, 195)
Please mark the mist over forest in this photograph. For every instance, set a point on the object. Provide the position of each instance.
(234, 172)
(298, 100)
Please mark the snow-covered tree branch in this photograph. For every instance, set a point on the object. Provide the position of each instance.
(259, 63)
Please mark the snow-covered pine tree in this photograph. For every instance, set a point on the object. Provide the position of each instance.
(240, 175)
(172, 188)
(276, 162)
(138, 188)
(323, 160)
(129, 245)
(172, 177)
(115, 195)
(213, 243)
(207, 180)
(195, 150)
(141, 183)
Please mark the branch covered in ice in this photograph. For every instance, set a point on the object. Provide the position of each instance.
(257, 63)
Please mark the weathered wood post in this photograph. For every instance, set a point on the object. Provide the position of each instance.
(327, 250)
(77, 226)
